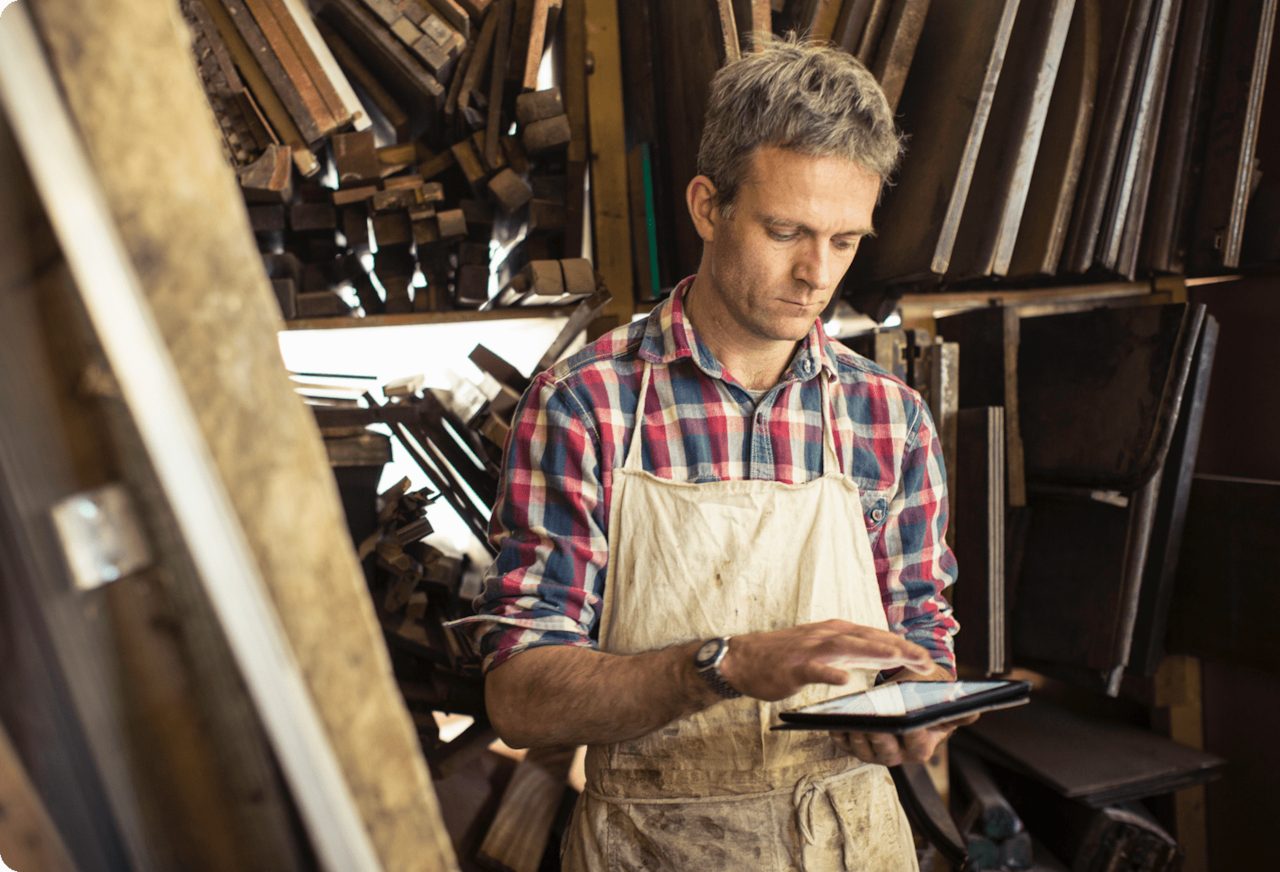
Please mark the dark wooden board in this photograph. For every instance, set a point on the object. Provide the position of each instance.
(1123, 31)
(1167, 200)
(977, 488)
(1002, 175)
(1090, 760)
(1060, 158)
(897, 47)
(944, 108)
(1099, 392)
(989, 340)
(1076, 606)
(1218, 221)
(1126, 207)
(1171, 513)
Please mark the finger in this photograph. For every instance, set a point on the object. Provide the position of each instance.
(918, 746)
(885, 748)
(855, 744)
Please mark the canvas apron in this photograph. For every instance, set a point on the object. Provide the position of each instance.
(718, 789)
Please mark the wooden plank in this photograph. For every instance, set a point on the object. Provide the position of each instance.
(130, 96)
(612, 230)
(1117, 244)
(963, 45)
(400, 70)
(977, 486)
(383, 102)
(1133, 238)
(1124, 30)
(852, 22)
(284, 73)
(518, 835)
(256, 78)
(1228, 162)
(729, 31)
(897, 47)
(479, 58)
(1090, 760)
(574, 93)
(497, 78)
(869, 41)
(296, 41)
(1171, 513)
(1051, 192)
(534, 43)
(989, 341)
(1002, 176)
(753, 17)
(1168, 201)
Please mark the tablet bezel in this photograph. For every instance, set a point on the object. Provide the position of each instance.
(1008, 694)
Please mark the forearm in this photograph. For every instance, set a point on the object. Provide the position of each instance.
(561, 695)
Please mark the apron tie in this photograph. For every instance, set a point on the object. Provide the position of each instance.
(808, 789)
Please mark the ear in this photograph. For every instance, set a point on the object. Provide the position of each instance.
(700, 197)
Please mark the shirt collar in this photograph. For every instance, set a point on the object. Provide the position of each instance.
(669, 337)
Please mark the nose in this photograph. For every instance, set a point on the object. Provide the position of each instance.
(814, 265)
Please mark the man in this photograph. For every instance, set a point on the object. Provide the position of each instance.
(717, 513)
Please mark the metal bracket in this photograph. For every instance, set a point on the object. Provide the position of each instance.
(100, 536)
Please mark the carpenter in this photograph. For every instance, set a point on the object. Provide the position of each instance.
(718, 512)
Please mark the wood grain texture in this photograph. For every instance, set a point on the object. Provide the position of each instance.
(1052, 190)
(898, 47)
(1168, 200)
(518, 835)
(944, 108)
(612, 229)
(1002, 175)
(978, 500)
(131, 89)
(1123, 31)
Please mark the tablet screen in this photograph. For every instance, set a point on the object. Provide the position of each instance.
(906, 698)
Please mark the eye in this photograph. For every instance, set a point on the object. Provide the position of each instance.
(781, 236)
(846, 244)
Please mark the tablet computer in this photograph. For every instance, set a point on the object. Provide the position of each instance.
(906, 706)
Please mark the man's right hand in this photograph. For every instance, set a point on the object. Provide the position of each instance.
(560, 695)
(776, 664)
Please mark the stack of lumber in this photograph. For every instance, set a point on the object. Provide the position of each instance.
(396, 156)
(1075, 137)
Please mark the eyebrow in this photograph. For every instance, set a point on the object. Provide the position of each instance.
(774, 221)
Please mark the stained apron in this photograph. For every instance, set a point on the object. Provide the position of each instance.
(719, 789)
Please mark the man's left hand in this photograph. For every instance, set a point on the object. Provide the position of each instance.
(917, 746)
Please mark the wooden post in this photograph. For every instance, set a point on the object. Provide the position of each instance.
(131, 89)
(609, 159)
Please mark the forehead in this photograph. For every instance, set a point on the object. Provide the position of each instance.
(801, 187)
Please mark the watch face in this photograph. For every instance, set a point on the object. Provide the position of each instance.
(708, 651)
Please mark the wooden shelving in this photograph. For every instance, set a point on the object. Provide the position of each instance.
(408, 318)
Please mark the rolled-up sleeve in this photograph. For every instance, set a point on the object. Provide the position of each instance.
(546, 584)
(911, 554)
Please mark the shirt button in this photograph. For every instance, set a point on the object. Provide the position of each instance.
(877, 515)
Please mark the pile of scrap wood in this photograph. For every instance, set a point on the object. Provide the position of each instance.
(397, 155)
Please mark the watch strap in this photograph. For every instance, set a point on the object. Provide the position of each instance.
(711, 674)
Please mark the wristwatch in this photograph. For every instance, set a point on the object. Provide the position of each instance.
(707, 662)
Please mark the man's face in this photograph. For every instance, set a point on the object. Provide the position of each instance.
(778, 257)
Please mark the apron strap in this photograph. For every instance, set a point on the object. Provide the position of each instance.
(634, 453)
(830, 458)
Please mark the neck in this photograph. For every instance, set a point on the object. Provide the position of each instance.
(755, 362)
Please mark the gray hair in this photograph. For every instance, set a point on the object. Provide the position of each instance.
(802, 96)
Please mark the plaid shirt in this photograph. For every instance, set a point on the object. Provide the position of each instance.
(575, 423)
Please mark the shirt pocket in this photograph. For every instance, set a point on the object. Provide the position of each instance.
(875, 508)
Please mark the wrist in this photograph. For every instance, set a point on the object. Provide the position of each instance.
(708, 663)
